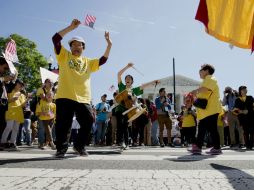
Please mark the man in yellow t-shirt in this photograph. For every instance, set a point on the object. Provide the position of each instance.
(74, 92)
(208, 117)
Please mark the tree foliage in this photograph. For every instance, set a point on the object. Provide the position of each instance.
(30, 58)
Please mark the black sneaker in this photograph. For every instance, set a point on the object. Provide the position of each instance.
(81, 152)
(171, 145)
(60, 153)
(12, 147)
(233, 146)
(162, 145)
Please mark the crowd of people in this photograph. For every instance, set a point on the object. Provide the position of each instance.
(61, 115)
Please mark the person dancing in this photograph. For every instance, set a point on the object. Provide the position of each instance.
(122, 120)
(74, 91)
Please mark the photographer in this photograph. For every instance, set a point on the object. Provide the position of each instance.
(244, 107)
(5, 77)
(229, 100)
(163, 108)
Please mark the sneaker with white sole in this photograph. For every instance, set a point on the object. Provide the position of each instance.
(60, 153)
(214, 151)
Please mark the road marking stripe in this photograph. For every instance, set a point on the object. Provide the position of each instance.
(8, 155)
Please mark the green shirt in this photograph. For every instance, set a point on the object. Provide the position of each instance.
(121, 87)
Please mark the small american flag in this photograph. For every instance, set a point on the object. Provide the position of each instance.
(90, 20)
(112, 88)
(11, 51)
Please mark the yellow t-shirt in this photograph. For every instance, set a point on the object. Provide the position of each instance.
(188, 121)
(40, 91)
(213, 105)
(15, 109)
(48, 108)
(243, 98)
(220, 122)
(74, 76)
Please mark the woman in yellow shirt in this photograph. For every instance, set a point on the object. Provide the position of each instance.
(188, 118)
(220, 127)
(46, 112)
(208, 117)
(14, 116)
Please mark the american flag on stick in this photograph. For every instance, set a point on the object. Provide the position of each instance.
(112, 88)
(90, 20)
(11, 51)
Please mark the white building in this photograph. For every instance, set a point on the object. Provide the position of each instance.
(183, 85)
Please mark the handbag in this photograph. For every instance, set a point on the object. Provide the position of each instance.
(201, 102)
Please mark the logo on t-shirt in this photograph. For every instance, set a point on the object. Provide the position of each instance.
(77, 65)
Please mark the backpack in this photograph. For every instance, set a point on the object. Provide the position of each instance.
(35, 100)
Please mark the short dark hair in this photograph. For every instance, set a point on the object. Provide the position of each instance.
(162, 89)
(115, 94)
(19, 81)
(240, 89)
(208, 67)
(48, 80)
(130, 77)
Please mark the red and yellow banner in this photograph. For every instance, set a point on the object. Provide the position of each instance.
(231, 21)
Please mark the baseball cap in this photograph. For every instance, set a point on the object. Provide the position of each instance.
(76, 38)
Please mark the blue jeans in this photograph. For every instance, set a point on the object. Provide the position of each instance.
(155, 140)
(27, 128)
(101, 130)
(24, 127)
(41, 133)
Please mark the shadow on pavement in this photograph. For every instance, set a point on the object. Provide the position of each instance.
(48, 158)
(239, 179)
(190, 158)
(20, 160)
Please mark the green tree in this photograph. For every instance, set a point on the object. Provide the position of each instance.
(30, 58)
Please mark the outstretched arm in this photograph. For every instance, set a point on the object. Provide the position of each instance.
(109, 42)
(74, 24)
(143, 86)
(119, 74)
(104, 58)
(59, 36)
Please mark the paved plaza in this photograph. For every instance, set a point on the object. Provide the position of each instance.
(137, 168)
